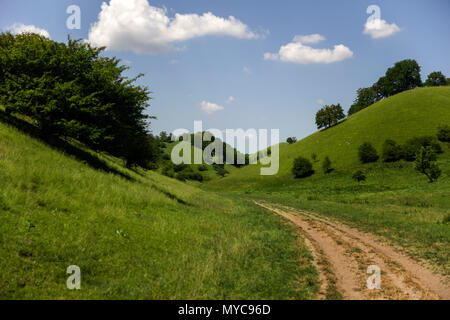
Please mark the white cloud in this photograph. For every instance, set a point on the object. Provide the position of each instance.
(231, 99)
(210, 107)
(136, 25)
(297, 52)
(378, 28)
(21, 28)
(311, 38)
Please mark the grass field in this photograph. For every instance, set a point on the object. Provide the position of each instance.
(408, 114)
(141, 237)
(396, 201)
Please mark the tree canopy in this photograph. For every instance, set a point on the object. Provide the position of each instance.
(436, 79)
(329, 115)
(365, 97)
(71, 90)
(404, 75)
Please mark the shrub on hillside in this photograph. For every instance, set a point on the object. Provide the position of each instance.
(202, 167)
(291, 140)
(180, 167)
(412, 146)
(359, 176)
(444, 133)
(425, 163)
(367, 153)
(222, 172)
(168, 171)
(436, 79)
(196, 176)
(391, 151)
(302, 168)
(326, 165)
(70, 90)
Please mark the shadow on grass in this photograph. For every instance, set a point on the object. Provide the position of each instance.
(61, 145)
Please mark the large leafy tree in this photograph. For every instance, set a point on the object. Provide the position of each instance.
(71, 90)
(329, 115)
(365, 97)
(404, 75)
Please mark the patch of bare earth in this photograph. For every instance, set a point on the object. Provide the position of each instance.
(343, 254)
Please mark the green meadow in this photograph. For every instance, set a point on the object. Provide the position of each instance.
(395, 201)
(134, 235)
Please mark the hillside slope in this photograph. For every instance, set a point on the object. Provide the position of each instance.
(143, 237)
(395, 202)
(400, 117)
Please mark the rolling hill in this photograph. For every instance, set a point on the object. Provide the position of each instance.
(133, 233)
(411, 113)
(395, 202)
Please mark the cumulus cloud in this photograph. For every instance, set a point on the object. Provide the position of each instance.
(210, 107)
(136, 25)
(297, 52)
(378, 28)
(18, 28)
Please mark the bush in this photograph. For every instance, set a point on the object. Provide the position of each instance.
(222, 172)
(444, 133)
(359, 176)
(202, 167)
(446, 219)
(326, 165)
(166, 156)
(180, 167)
(302, 168)
(291, 140)
(168, 171)
(425, 163)
(367, 153)
(181, 176)
(412, 146)
(196, 176)
(392, 151)
(70, 90)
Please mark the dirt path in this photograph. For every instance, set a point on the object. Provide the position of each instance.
(343, 254)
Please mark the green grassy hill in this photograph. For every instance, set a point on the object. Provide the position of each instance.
(400, 117)
(134, 234)
(395, 202)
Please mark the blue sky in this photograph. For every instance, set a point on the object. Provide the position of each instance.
(199, 61)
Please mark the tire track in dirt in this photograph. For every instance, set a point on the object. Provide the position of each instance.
(342, 255)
